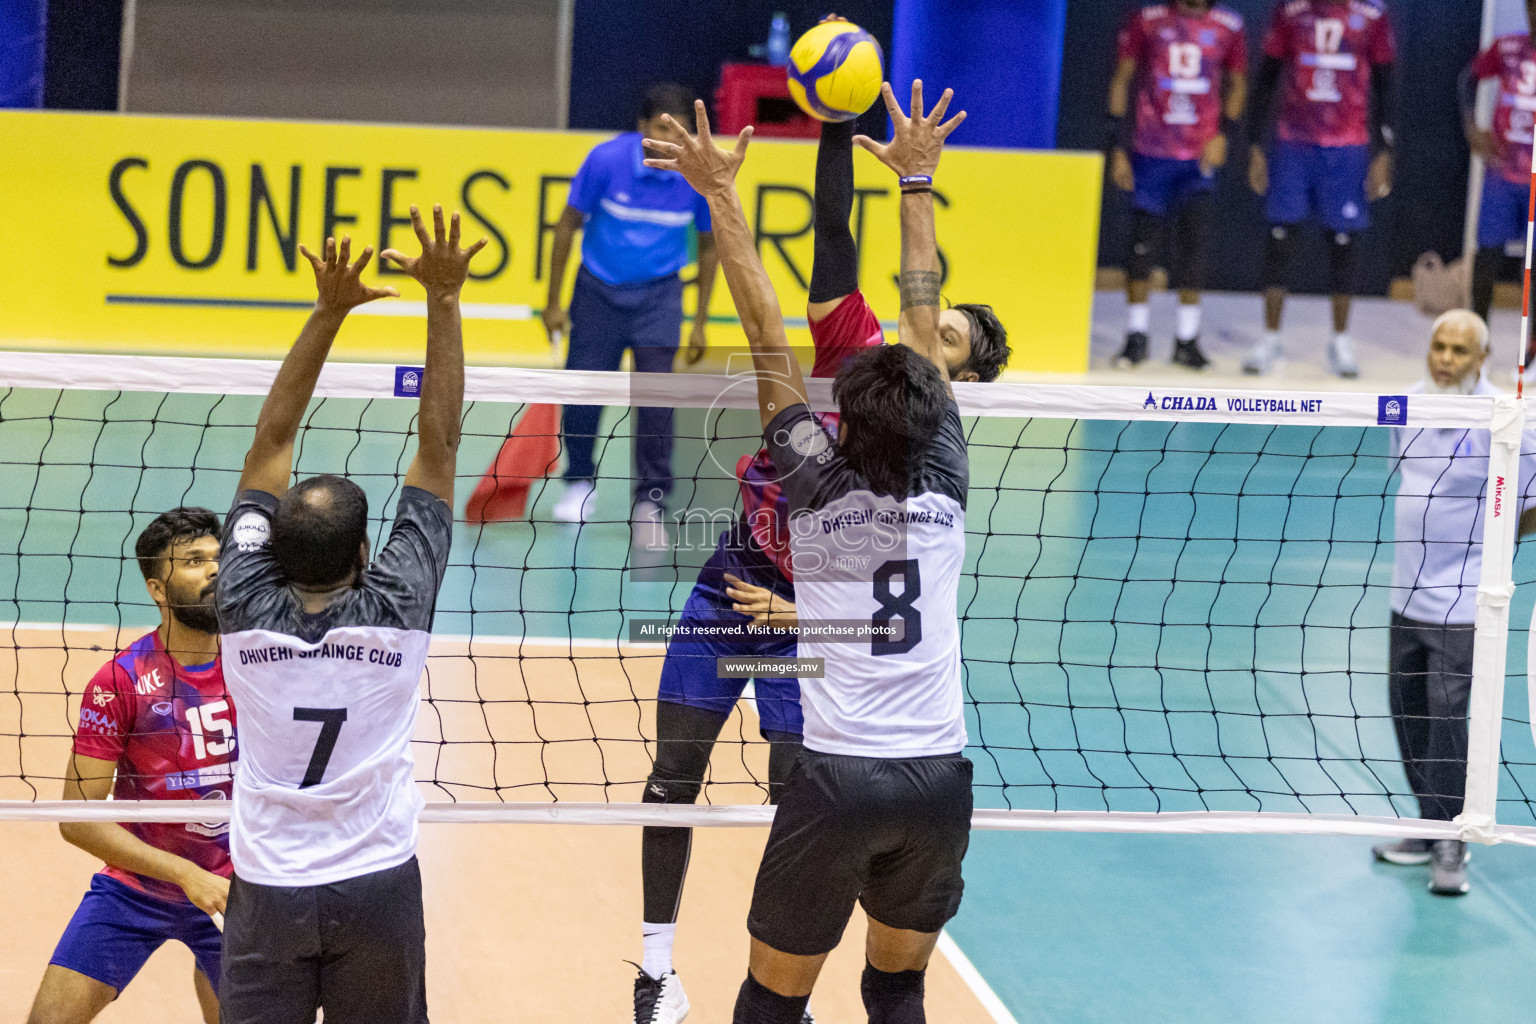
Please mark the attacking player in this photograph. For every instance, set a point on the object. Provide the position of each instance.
(1502, 215)
(878, 808)
(155, 724)
(750, 576)
(325, 655)
(1189, 63)
(1333, 63)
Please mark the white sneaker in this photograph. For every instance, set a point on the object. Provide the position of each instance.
(1341, 357)
(660, 1000)
(648, 528)
(1263, 356)
(575, 506)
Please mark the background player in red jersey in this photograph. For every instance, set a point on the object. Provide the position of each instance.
(1189, 64)
(1502, 215)
(1333, 62)
(155, 724)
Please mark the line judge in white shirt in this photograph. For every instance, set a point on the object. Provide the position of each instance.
(324, 653)
(1438, 534)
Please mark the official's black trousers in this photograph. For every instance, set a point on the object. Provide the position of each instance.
(1430, 683)
(357, 948)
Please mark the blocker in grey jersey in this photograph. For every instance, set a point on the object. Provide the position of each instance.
(325, 790)
(866, 557)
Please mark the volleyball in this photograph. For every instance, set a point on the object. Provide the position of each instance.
(835, 71)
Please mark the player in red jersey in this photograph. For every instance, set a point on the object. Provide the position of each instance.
(1502, 215)
(155, 724)
(1333, 62)
(1188, 62)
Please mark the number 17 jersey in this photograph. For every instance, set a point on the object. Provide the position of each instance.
(879, 575)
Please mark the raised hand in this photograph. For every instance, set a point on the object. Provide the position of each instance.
(704, 165)
(338, 283)
(916, 141)
(442, 266)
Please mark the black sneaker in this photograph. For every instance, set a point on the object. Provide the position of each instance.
(1450, 858)
(1405, 852)
(1134, 352)
(1188, 355)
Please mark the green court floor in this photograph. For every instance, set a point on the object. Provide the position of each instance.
(1156, 617)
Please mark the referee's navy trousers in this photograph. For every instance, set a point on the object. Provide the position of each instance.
(605, 320)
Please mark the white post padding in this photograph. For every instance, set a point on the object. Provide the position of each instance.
(1496, 586)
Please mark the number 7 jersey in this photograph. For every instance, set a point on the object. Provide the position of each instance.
(879, 576)
(1182, 66)
(327, 700)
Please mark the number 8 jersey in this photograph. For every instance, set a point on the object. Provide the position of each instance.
(876, 588)
(1182, 62)
(326, 789)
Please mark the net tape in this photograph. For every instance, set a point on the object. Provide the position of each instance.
(1098, 442)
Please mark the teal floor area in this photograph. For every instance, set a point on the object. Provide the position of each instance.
(1155, 617)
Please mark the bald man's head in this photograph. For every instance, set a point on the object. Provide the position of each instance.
(1458, 345)
(320, 532)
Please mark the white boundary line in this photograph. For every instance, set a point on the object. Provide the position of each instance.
(974, 981)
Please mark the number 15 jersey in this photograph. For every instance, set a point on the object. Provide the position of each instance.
(881, 574)
(326, 788)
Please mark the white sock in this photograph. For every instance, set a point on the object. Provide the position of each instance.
(1272, 339)
(1340, 335)
(658, 940)
(1138, 317)
(1189, 322)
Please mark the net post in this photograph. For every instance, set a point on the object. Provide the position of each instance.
(1490, 646)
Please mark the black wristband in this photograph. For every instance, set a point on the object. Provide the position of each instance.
(1120, 131)
(916, 191)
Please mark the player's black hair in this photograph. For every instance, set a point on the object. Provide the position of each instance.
(668, 98)
(188, 522)
(319, 529)
(893, 401)
(989, 341)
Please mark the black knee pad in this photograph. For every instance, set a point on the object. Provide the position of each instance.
(1189, 264)
(1278, 251)
(1145, 228)
(1341, 263)
(892, 998)
(670, 791)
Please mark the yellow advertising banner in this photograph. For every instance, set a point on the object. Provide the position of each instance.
(164, 235)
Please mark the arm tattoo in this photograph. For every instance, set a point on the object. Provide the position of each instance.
(919, 288)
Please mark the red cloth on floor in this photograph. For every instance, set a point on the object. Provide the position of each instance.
(529, 455)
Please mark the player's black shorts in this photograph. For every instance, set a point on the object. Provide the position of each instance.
(356, 948)
(887, 832)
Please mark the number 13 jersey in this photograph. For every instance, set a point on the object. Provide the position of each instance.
(879, 575)
(326, 788)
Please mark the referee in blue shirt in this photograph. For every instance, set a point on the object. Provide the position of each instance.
(635, 223)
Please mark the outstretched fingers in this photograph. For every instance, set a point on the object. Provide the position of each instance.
(917, 99)
(418, 226)
(937, 113)
(362, 261)
(701, 122)
(438, 231)
(744, 137)
(891, 106)
(314, 260)
(950, 125)
(470, 252)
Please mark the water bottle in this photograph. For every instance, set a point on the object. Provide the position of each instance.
(778, 40)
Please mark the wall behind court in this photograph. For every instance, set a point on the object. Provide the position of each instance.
(1436, 39)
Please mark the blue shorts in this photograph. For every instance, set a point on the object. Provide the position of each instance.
(1502, 216)
(1326, 182)
(1162, 184)
(689, 674)
(116, 928)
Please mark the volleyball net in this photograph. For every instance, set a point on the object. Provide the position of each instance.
(1174, 611)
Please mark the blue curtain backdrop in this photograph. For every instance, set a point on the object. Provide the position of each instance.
(1003, 58)
(23, 40)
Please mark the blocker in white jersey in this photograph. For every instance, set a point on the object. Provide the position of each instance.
(326, 791)
(878, 809)
(893, 563)
(328, 645)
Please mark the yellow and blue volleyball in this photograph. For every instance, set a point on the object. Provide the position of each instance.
(835, 71)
